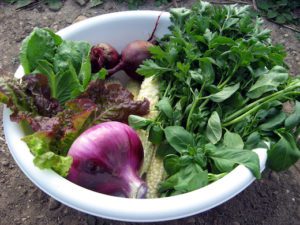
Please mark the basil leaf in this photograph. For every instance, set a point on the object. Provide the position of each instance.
(156, 134)
(214, 129)
(138, 122)
(179, 138)
(165, 149)
(165, 107)
(172, 164)
(191, 178)
(187, 179)
(226, 159)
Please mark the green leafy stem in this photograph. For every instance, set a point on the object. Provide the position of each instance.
(256, 105)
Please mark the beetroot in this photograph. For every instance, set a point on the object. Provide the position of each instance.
(103, 55)
(134, 54)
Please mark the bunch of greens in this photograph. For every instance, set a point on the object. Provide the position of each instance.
(66, 63)
(59, 97)
(280, 11)
(222, 85)
(54, 126)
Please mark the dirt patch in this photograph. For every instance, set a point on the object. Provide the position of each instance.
(275, 199)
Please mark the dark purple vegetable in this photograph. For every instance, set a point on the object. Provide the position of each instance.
(31, 95)
(107, 158)
(103, 55)
(114, 102)
(134, 54)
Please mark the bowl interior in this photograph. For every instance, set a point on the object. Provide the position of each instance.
(119, 29)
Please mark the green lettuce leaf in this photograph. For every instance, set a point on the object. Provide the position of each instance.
(50, 160)
(74, 53)
(66, 63)
(41, 44)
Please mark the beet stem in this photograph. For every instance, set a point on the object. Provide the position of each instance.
(152, 37)
(115, 69)
(121, 63)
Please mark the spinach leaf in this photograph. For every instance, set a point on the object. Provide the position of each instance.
(233, 140)
(273, 122)
(268, 82)
(293, 120)
(225, 93)
(214, 129)
(283, 153)
(253, 140)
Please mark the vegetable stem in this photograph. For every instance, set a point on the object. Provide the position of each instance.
(195, 103)
(259, 101)
(257, 107)
(229, 77)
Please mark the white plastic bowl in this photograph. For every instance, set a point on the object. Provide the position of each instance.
(119, 29)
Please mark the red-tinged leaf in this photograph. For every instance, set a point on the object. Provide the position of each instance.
(31, 95)
(114, 102)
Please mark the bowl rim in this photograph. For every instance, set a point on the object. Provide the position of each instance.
(116, 208)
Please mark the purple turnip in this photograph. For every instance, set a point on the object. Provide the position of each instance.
(107, 158)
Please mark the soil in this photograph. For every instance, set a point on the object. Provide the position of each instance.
(273, 200)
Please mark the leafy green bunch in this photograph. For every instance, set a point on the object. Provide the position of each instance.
(281, 11)
(222, 85)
